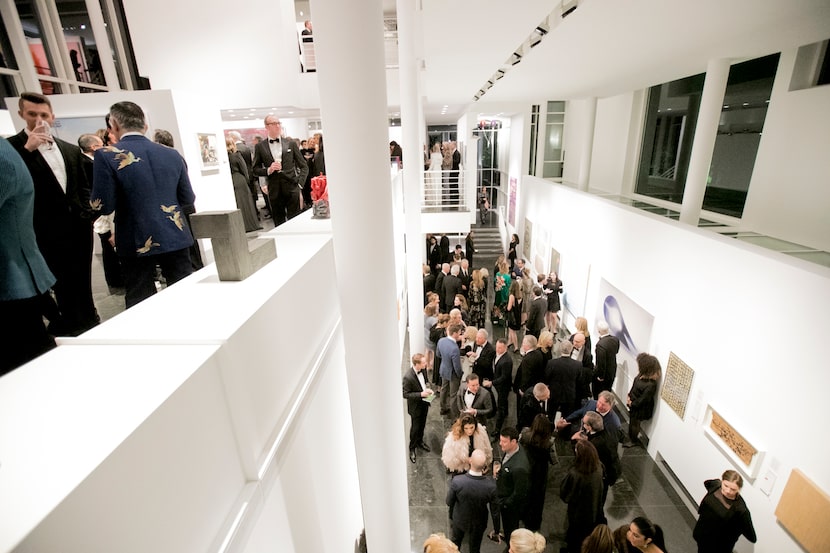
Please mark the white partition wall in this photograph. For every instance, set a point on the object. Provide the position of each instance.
(750, 322)
(213, 416)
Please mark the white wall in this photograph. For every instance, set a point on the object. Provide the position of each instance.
(750, 322)
(224, 58)
(789, 195)
(610, 139)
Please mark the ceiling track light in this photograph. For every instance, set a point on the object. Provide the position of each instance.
(499, 75)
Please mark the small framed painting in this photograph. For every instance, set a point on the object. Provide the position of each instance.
(208, 156)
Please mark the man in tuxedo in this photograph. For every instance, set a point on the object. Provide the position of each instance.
(439, 286)
(606, 369)
(502, 381)
(417, 394)
(531, 370)
(468, 497)
(454, 169)
(147, 186)
(62, 214)
(512, 480)
(475, 401)
(466, 278)
(434, 254)
(536, 401)
(536, 315)
(561, 375)
(280, 161)
(483, 356)
(444, 246)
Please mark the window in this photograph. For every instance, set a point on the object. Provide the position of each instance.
(671, 116)
(554, 157)
(534, 138)
(739, 134)
(44, 52)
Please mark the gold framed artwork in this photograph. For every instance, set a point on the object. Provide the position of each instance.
(745, 456)
(677, 385)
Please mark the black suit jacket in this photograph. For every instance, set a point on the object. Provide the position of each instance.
(536, 316)
(607, 348)
(294, 168)
(531, 408)
(606, 444)
(513, 481)
(468, 498)
(562, 375)
(248, 156)
(450, 286)
(62, 220)
(444, 245)
(503, 374)
(483, 366)
(531, 370)
(415, 405)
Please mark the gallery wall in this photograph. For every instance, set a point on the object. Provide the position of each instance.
(748, 321)
(789, 196)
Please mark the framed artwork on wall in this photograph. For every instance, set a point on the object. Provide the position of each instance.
(745, 456)
(208, 156)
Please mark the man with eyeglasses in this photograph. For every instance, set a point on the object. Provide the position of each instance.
(280, 161)
(62, 214)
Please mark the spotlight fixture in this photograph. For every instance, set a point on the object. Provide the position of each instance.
(499, 74)
(515, 58)
(538, 33)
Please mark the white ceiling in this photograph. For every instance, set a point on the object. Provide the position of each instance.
(603, 48)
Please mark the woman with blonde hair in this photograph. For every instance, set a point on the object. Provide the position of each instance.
(478, 300)
(465, 436)
(439, 543)
(545, 344)
(523, 540)
(581, 325)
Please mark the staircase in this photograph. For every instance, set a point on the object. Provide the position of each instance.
(489, 246)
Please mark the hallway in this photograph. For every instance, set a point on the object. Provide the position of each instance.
(643, 490)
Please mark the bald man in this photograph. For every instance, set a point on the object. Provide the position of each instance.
(469, 496)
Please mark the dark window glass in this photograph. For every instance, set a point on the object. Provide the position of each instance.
(80, 41)
(671, 116)
(739, 134)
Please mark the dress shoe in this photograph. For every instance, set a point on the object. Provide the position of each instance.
(424, 446)
(412, 455)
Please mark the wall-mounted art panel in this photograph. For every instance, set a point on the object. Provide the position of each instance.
(804, 510)
(677, 384)
(746, 457)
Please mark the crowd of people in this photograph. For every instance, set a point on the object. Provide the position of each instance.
(498, 472)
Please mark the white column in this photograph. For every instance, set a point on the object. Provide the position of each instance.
(413, 171)
(587, 144)
(706, 130)
(17, 38)
(99, 30)
(351, 72)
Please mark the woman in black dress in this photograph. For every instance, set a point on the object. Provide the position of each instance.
(537, 441)
(239, 177)
(512, 251)
(552, 288)
(723, 516)
(641, 397)
(581, 489)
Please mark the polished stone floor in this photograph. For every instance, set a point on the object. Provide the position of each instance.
(642, 490)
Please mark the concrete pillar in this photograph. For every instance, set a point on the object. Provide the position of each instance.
(348, 39)
(413, 170)
(706, 130)
(587, 144)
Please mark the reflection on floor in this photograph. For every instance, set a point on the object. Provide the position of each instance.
(642, 490)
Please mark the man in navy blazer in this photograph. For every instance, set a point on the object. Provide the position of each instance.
(450, 369)
(469, 497)
(147, 186)
(62, 215)
(279, 160)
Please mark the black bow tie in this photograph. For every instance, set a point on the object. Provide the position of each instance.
(471, 393)
(272, 140)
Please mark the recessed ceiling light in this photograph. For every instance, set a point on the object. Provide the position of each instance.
(745, 104)
(726, 107)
